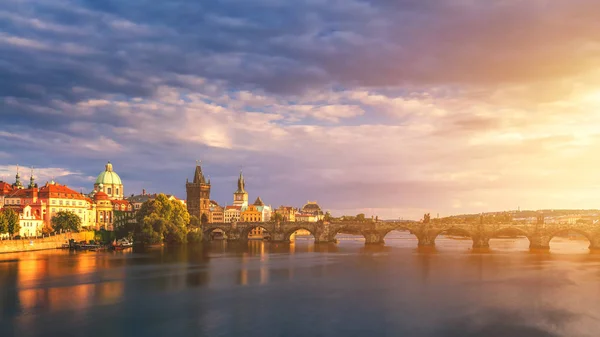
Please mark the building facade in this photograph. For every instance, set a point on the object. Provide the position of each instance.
(216, 212)
(232, 214)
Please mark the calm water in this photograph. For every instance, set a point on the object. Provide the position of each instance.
(302, 289)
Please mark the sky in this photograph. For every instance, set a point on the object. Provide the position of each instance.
(392, 108)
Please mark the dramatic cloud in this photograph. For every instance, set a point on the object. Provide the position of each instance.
(392, 108)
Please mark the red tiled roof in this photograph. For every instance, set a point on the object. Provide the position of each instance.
(5, 188)
(24, 193)
(121, 202)
(59, 191)
(233, 207)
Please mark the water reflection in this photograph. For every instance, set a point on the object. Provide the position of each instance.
(230, 289)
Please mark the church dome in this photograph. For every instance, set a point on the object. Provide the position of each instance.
(312, 207)
(108, 177)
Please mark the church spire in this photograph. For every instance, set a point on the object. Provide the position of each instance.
(198, 176)
(241, 184)
(17, 183)
(32, 180)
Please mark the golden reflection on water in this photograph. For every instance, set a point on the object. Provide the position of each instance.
(61, 280)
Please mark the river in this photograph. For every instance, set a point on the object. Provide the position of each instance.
(303, 289)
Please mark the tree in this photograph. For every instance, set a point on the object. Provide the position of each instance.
(11, 221)
(275, 217)
(360, 217)
(66, 221)
(327, 216)
(194, 222)
(160, 220)
(204, 219)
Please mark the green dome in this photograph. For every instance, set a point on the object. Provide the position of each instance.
(108, 177)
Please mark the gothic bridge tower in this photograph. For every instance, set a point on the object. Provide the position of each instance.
(198, 194)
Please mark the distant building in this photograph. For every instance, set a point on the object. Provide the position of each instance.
(288, 213)
(310, 212)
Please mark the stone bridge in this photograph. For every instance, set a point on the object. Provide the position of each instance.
(539, 235)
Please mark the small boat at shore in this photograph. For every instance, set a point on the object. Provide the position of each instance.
(122, 244)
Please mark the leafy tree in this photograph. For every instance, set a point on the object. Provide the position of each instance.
(360, 217)
(275, 217)
(194, 222)
(11, 219)
(160, 220)
(327, 216)
(204, 219)
(3, 223)
(66, 221)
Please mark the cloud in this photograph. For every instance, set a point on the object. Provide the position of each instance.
(396, 106)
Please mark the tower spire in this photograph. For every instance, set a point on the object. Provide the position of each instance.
(17, 183)
(241, 183)
(32, 179)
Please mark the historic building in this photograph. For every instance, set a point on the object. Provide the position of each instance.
(30, 222)
(110, 183)
(251, 214)
(240, 196)
(5, 189)
(310, 212)
(216, 212)
(198, 195)
(288, 213)
(232, 214)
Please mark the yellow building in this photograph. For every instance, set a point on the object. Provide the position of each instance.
(287, 213)
(251, 214)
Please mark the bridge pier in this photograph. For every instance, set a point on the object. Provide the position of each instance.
(426, 240)
(373, 238)
(539, 241)
(481, 242)
(594, 243)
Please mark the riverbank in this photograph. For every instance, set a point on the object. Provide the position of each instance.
(51, 242)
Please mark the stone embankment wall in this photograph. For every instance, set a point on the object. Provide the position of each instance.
(51, 242)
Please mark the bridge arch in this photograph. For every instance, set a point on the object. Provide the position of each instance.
(245, 233)
(453, 230)
(510, 238)
(399, 233)
(208, 232)
(335, 233)
(553, 234)
(289, 231)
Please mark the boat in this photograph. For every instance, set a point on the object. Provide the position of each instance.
(121, 244)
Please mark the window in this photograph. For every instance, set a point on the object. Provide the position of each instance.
(117, 192)
(67, 203)
(53, 202)
(60, 202)
(109, 191)
(80, 203)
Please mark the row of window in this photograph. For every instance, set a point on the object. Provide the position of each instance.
(67, 203)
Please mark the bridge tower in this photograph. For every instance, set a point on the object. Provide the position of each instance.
(198, 194)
